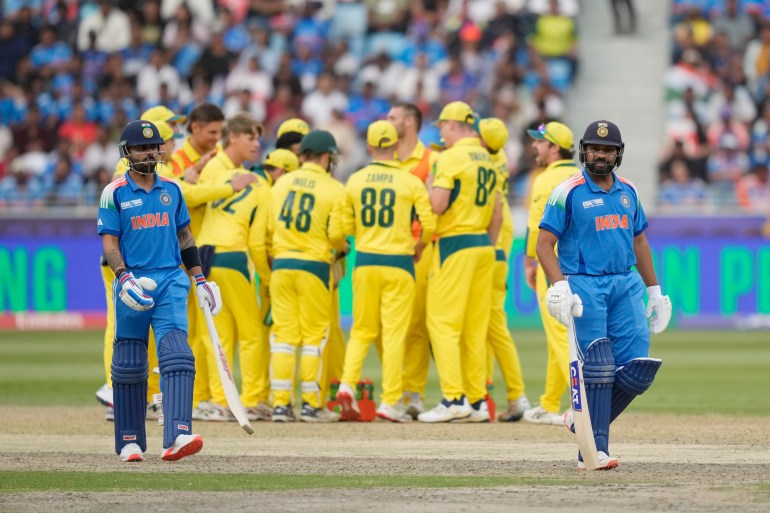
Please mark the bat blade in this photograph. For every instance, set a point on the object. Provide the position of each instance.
(584, 432)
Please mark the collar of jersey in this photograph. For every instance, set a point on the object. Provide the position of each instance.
(561, 163)
(188, 150)
(312, 166)
(467, 141)
(157, 185)
(393, 164)
(417, 152)
(616, 186)
(223, 157)
(260, 171)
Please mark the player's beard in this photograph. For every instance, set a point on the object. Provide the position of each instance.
(601, 166)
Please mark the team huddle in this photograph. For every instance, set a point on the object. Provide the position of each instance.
(265, 250)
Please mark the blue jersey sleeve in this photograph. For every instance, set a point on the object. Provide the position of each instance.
(640, 219)
(109, 217)
(554, 217)
(182, 216)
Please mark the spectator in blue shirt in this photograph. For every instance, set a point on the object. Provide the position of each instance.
(50, 52)
(682, 190)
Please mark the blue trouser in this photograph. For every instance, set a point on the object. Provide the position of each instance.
(168, 318)
(613, 307)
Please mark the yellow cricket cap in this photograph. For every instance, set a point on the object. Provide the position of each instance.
(494, 132)
(457, 111)
(293, 125)
(554, 132)
(381, 134)
(282, 159)
(166, 132)
(163, 113)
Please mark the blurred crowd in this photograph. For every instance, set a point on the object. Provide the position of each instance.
(718, 108)
(74, 72)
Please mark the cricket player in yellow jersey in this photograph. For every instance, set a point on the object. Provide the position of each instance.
(303, 204)
(552, 144)
(469, 212)
(494, 135)
(377, 210)
(415, 158)
(236, 229)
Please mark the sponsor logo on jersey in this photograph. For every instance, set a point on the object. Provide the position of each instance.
(129, 438)
(574, 382)
(149, 221)
(611, 222)
(131, 203)
(598, 202)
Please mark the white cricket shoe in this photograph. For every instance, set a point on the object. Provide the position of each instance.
(569, 421)
(317, 415)
(219, 413)
(184, 445)
(538, 415)
(200, 411)
(414, 403)
(154, 411)
(130, 453)
(605, 462)
(349, 410)
(446, 411)
(109, 414)
(104, 395)
(395, 413)
(261, 411)
(515, 410)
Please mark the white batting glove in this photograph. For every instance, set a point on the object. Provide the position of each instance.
(208, 294)
(133, 291)
(658, 309)
(562, 303)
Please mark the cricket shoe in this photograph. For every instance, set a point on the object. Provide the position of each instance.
(200, 411)
(479, 414)
(414, 403)
(447, 410)
(605, 462)
(395, 413)
(104, 395)
(515, 410)
(282, 414)
(538, 415)
(130, 453)
(184, 445)
(219, 413)
(318, 415)
(569, 421)
(261, 411)
(109, 414)
(154, 411)
(346, 397)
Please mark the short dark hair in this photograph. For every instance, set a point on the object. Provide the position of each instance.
(566, 153)
(412, 110)
(205, 113)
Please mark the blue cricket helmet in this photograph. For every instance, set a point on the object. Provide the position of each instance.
(139, 133)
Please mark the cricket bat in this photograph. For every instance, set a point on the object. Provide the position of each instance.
(225, 376)
(581, 417)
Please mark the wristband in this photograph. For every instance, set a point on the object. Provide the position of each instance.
(119, 272)
(191, 257)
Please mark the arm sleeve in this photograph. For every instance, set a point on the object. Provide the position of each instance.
(348, 214)
(536, 210)
(446, 171)
(182, 213)
(640, 219)
(258, 232)
(425, 213)
(554, 217)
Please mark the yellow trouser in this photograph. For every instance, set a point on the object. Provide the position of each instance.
(153, 380)
(458, 314)
(557, 369)
(499, 340)
(417, 359)
(302, 305)
(334, 355)
(200, 344)
(263, 361)
(383, 298)
(237, 324)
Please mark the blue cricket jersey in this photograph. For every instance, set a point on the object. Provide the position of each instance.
(596, 228)
(146, 222)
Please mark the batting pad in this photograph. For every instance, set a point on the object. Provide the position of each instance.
(129, 385)
(599, 376)
(631, 380)
(177, 371)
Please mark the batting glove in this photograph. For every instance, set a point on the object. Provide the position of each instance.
(133, 291)
(658, 309)
(562, 303)
(208, 294)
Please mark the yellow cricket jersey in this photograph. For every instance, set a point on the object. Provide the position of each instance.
(239, 222)
(505, 238)
(303, 203)
(467, 170)
(378, 208)
(181, 159)
(542, 187)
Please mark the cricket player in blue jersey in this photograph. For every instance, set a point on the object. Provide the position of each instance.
(598, 221)
(144, 225)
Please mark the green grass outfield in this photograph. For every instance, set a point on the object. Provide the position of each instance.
(714, 372)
